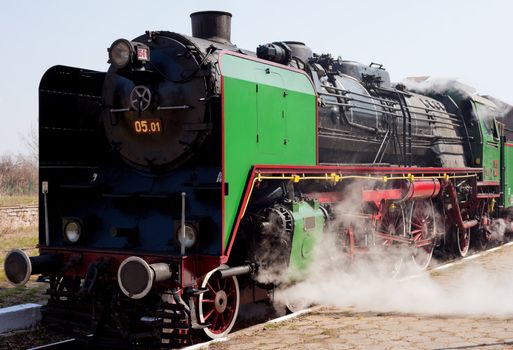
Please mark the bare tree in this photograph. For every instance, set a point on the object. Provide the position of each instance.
(18, 175)
(31, 140)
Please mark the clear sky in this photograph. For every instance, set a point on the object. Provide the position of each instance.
(465, 39)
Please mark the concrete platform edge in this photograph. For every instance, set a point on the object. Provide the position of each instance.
(18, 317)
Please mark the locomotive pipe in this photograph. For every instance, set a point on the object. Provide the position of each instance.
(136, 277)
(182, 230)
(44, 186)
(234, 271)
(422, 189)
(18, 266)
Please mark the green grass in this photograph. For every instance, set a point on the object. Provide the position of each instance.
(30, 293)
(271, 326)
(24, 238)
(8, 201)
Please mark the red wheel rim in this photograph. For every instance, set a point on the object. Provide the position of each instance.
(347, 242)
(392, 223)
(422, 228)
(484, 231)
(463, 237)
(219, 305)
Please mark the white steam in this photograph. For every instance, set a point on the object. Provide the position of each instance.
(369, 282)
(368, 286)
(498, 229)
(427, 85)
(272, 267)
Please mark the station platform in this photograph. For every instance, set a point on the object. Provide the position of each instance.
(463, 305)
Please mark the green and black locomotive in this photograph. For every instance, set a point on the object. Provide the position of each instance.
(169, 182)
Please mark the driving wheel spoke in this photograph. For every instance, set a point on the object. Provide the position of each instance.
(219, 306)
(422, 227)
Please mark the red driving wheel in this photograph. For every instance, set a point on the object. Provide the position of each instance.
(219, 305)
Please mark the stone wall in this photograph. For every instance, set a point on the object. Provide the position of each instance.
(19, 216)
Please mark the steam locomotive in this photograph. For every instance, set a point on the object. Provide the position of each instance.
(171, 181)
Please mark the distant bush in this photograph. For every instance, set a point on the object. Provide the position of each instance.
(18, 175)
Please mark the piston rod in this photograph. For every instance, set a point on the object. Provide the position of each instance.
(235, 271)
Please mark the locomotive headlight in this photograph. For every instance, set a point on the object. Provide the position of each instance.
(190, 238)
(72, 231)
(120, 53)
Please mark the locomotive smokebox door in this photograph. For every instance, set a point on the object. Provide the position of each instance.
(156, 117)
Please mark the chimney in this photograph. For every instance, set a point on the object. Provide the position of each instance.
(212, 25)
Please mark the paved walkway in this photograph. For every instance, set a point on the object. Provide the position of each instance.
(484, 326)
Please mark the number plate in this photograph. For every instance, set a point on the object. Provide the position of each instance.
(147, 126)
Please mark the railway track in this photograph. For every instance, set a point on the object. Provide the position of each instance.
(63, 344)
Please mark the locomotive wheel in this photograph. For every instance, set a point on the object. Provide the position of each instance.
(462, 241)
(347, 243)
(392, 223)
(422, 227)
(482, 234)
(481, 237)
(219, 305)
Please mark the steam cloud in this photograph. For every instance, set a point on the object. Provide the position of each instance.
(429, 85)
(369, 284)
